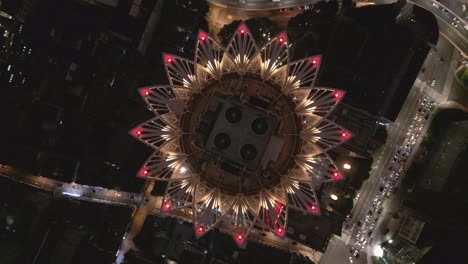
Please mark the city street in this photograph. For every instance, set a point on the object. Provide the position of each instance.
(433, 86)
(143, 205)
(435, 83)
(260, 4)
(72, 190)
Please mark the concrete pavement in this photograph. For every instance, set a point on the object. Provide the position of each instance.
(260, 4)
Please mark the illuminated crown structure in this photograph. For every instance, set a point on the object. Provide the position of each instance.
(240, 135)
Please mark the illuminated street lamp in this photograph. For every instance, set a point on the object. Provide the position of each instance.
(334, 197)
(346, 166)
(378, 251)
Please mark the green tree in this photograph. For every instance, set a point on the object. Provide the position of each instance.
(226, 32)
(359, 173)
(381, 134)
(262, 29)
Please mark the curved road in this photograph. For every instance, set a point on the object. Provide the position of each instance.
(260, 5)
(456, 33)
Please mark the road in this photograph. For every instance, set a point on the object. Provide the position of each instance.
(337, 250)
(457, 32)
(72, 190)
(459, 7)
(260, 5)
(143, 204)
(435, 82)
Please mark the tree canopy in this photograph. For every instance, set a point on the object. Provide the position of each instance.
(262, 29)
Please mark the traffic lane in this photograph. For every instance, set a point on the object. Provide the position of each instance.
(361, 239)
(337, 252)
(458, 34)
(394, 136)
(457, 7)
(261, 4)
(70, 189)
(32, 180)
(439, 65)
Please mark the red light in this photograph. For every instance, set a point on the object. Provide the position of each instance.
(145, 92)
(203, 38)
(344, 134)
(168, 58)
(314, 208)
(338, 95)
(239, 238)
(200, 229)
(315, 60)
(281, 39)
(137, 132)
(167, 206)
(242, 31)
(280, 231)
(144, 172)
(336, 175)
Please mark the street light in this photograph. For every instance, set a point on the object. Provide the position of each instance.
(346, 166)
(378, 251)
(334, 197)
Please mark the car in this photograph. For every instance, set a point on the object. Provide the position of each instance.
(433, 82)
(454, 24)
(381, 189)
